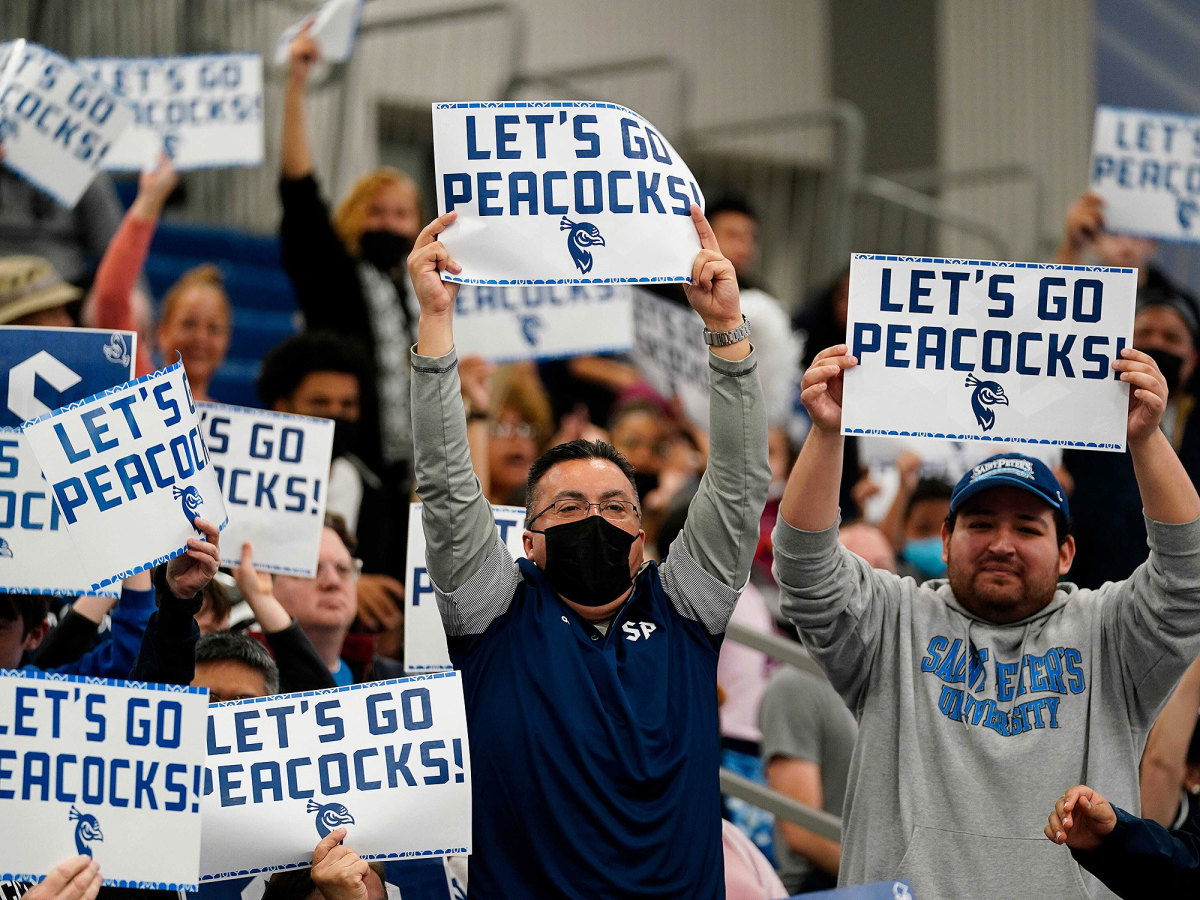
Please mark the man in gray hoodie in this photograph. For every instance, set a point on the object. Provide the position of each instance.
(980, 694)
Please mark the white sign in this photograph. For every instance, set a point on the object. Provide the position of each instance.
(424, 637)
(334, 27)
(273, 469)
(57, 123)
(388, 760)
(670, 354)
(130, 472)
(542, 321)
(107, 768)
(37, 556)
(562, 193)
(972, 350)
(204, 111)
(1145, 166)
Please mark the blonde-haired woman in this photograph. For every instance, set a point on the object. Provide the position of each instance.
(348, 269)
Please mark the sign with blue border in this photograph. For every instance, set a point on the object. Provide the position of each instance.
(425, 648)
(204, 111)
(57, 123)
(273, 469)
(542, 321)
(562, 192)
(387, 760)
(1145, 165)
(670, 354)
(976, 350)
(110, 769)
(130, 471)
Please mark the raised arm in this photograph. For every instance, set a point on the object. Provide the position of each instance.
(1168, 495)
(297, 156)
(460, 533)
(1085, 220)
(721, 531)
(810, 500)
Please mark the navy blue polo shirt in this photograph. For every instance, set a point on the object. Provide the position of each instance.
(594, 756)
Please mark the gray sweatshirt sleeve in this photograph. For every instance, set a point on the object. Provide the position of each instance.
(1152, 619)
(709, 563)
(473, 575)
(840, 605)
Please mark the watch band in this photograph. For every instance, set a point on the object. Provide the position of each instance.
(725, 338)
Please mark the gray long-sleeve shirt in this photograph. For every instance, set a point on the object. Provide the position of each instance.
(472, 572)
(969, 730)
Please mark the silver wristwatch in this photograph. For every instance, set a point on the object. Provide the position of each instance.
(725, 338)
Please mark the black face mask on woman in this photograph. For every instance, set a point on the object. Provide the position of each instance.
(384, 249)
(1171, 366)
(588, 561)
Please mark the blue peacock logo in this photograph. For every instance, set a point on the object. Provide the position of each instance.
(986, 395)
(5, 549)
(329, 816)
(1185, 211)
(582, 235)
(191, 501)
(86, 832)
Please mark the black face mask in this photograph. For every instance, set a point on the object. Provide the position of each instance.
(384, 249)
(587, 561)
(345, 437)
(1169, 364)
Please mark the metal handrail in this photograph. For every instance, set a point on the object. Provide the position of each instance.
(774, 646)
(781, 806)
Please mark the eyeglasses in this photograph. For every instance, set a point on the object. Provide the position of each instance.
(344, 571)
(522, 430)
(618, 512)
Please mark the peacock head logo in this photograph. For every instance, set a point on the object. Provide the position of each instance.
(191, 501)
(581, 236)
(87, 831)
(116, 350)
(329, 816)
(1185, 211)
(986, 395)
(5, 549)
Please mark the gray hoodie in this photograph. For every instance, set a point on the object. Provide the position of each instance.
(969, 730)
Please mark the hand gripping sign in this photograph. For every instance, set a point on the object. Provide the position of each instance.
(57, 123)
(203, 111)
(1144, 165)
(273, 469)
(387, 760)
(334, 28)
(972, 350)
(130, 472)
(562, 193)
(425, 647)
(110, 769)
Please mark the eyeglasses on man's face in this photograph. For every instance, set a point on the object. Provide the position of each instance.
(345, 571)
(619, 512)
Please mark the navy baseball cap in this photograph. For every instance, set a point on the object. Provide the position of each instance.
(1011, 470)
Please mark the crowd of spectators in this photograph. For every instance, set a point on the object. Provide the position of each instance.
(860, 607)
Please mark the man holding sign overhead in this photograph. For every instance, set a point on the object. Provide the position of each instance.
(590, 678)
(979, 694)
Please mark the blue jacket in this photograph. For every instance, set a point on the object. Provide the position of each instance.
(1140, 858)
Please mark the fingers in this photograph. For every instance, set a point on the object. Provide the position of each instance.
(77, 878)
(327, 843)
(212, 534)
(430, 232)
(827, 365)
(708, 240)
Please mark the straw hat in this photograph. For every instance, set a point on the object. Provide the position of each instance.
(29, 284)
